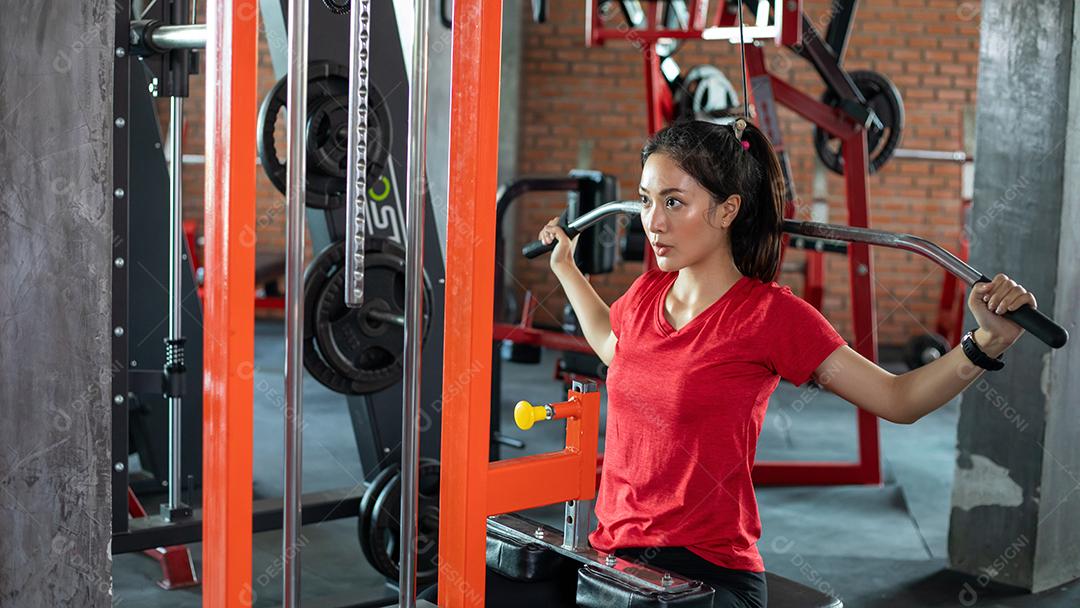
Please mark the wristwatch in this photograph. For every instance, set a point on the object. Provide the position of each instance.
(977, 356)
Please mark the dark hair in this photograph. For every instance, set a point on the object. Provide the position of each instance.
(710, 153)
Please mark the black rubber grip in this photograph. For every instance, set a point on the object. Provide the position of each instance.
(1035, 322)
(538, 248)
(1039, 325)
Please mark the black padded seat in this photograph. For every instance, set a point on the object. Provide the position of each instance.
(786, 593)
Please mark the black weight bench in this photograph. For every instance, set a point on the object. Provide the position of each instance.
(526, 575)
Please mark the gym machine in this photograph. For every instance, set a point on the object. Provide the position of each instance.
(356, 352)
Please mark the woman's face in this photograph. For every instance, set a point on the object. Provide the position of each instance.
(682, 223)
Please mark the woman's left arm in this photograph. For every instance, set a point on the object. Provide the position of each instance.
(905, 398)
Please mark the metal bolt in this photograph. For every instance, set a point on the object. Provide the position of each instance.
(118, 193)
(120, 52)
(157, 145)
(118, 399)
(386, 450)
(792, 5)
(539, 533)
(134, 363)
(118, 262)
(165, 483)
(610, 560)
(119, 467)
(120, 122)
(862, 269)
(118, 331)
(666, 580)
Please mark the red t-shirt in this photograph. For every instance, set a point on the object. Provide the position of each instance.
(684, 412)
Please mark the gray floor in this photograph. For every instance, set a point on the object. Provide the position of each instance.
(871, 546)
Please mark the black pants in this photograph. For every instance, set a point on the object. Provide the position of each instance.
(734, 588)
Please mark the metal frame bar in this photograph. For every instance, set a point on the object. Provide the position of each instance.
(178, 37)
(470, 268)
(119, 363)
(296, 178)
(229, 316)
(152, 531)
(174, 345)
(414, 306)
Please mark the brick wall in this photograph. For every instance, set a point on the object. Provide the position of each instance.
(573, 96)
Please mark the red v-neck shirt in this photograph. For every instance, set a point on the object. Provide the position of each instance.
(685, 408)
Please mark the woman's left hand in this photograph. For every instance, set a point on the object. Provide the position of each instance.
(989, 301)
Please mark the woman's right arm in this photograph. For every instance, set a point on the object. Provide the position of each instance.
(592, 313)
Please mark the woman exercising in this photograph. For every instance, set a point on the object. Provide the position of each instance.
(695, 348)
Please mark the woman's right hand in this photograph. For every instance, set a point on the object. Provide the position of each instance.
(562, 258)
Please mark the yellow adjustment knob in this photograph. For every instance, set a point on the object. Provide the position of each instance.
(526, 414)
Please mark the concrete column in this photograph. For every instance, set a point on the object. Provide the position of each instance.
(56, 204)
(1016, 506)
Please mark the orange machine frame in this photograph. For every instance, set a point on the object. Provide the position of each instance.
(229, 315)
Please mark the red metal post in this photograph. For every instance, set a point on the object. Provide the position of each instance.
(470, 269)
(228, 331)
(867, 470)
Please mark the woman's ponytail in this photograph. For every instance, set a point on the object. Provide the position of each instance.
(756, 234)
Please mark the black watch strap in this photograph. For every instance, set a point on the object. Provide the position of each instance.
(977, 356)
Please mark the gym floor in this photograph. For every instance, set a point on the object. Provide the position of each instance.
(831, 538)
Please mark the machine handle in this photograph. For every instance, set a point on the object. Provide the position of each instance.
(1038, 324)
(538, 248)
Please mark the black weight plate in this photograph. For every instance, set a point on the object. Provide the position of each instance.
(368, 352)
(384, 531)
(341, 350)
(330, 261)
(367, 506)
(315, 278)
(328, 91)
(328, 135)
(884, 99)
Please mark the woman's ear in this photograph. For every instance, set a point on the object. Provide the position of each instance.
(728, 210)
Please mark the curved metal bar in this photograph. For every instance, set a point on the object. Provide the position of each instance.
(894, 240)
(1034, 321)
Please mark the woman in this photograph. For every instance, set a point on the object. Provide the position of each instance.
(695, 348)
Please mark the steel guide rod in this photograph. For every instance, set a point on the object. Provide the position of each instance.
(296, 122)
(356, 179)
(414, 303)
(176, 218)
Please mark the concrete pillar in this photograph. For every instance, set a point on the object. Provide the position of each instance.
(56, 209)
(1016, 506)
